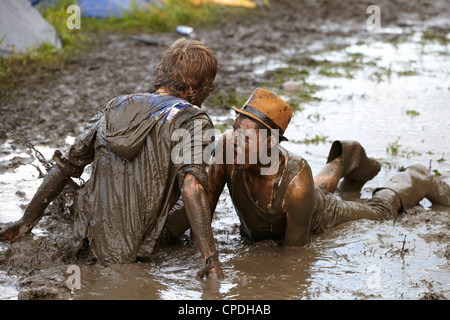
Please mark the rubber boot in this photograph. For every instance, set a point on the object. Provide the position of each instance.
(416, 183)
(357, 167)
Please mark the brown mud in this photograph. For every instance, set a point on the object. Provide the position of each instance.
(46, 108)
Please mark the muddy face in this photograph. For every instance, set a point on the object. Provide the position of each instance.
(246, 143)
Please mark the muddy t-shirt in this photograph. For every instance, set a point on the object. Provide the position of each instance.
(140, 146)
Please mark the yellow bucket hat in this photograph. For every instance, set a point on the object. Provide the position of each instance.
(269, 109)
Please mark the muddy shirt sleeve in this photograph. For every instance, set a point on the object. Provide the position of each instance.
(81, 153)
(194, 148)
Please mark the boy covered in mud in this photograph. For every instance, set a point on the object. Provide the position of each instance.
(134, 182)
(280, 199)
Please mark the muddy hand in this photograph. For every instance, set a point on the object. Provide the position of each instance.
(211, 270)
(215, 273)
(15, 231)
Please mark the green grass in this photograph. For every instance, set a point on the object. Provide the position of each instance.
(407, 73)
(381, 74)
(44, 57)
(228, 98)
(34, 60)
(304, 93)
(56, 14)
(150, 20)
(316, 117)
(330, 73)
(436, 172)
(314, 140)
(296, 100)
(393, 148)
(436, 34)
(281, 75)
(412, 113)
(154, 19)
(353, 62)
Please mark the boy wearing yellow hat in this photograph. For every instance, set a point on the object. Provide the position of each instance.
(289, 203)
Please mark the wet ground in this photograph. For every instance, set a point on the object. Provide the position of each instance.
(388, 89)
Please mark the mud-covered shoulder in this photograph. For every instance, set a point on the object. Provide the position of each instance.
(300, 191)
(189, 113)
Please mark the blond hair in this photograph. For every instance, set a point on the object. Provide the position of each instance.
(185, 64)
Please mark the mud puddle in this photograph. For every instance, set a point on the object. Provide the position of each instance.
(391, 95)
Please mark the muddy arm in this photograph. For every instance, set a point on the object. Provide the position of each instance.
(80, 154)
(216, 183)
(177, 222)
(299, 203)
(52, 185)
(218, 172)
(198, 213)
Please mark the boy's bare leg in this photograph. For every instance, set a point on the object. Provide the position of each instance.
(328, 178)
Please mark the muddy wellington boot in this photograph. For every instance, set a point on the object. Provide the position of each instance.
(416, 183)
(357, 167)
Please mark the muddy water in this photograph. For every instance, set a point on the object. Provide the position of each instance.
(396, 103)
(405, 259)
